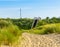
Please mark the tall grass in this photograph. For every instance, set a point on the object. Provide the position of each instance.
(46, 29)
(9, 34)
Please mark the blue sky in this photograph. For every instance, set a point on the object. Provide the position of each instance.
(30, 8)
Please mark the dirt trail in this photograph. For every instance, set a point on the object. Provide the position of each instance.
(33, 40)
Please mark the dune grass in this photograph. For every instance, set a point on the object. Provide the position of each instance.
(46, 29)
(10, 33)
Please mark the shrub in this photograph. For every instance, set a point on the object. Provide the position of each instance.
(9, 34)
(57, 28)
(47, 29)
(4, 23)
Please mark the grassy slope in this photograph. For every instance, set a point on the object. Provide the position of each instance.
(46, 29)
(11, 33)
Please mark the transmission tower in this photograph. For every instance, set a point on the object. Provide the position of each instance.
(20, 13)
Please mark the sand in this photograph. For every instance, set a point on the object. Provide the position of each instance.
(33, 40)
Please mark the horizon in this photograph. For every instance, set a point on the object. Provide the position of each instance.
(30, 8)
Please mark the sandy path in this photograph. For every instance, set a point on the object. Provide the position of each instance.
(33, 40)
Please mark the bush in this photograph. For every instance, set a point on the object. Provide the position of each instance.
(57, 28)
(4, 23)
(47, 29)
(9, 34)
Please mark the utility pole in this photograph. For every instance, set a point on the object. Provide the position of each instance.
(20, 13)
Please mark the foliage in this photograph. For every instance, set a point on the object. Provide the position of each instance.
(11, 29)
(3, 23)
(9, 34)
(47, 29)
(23, 23)
(26, 23)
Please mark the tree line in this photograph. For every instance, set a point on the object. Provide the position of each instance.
(26, 23)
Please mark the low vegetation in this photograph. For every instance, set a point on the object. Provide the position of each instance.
(12, 29)
(9, 33)
(46, 29)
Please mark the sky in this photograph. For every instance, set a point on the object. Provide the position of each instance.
(29, 8)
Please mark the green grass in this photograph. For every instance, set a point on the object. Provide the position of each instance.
(46, 29)
(10, 33)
